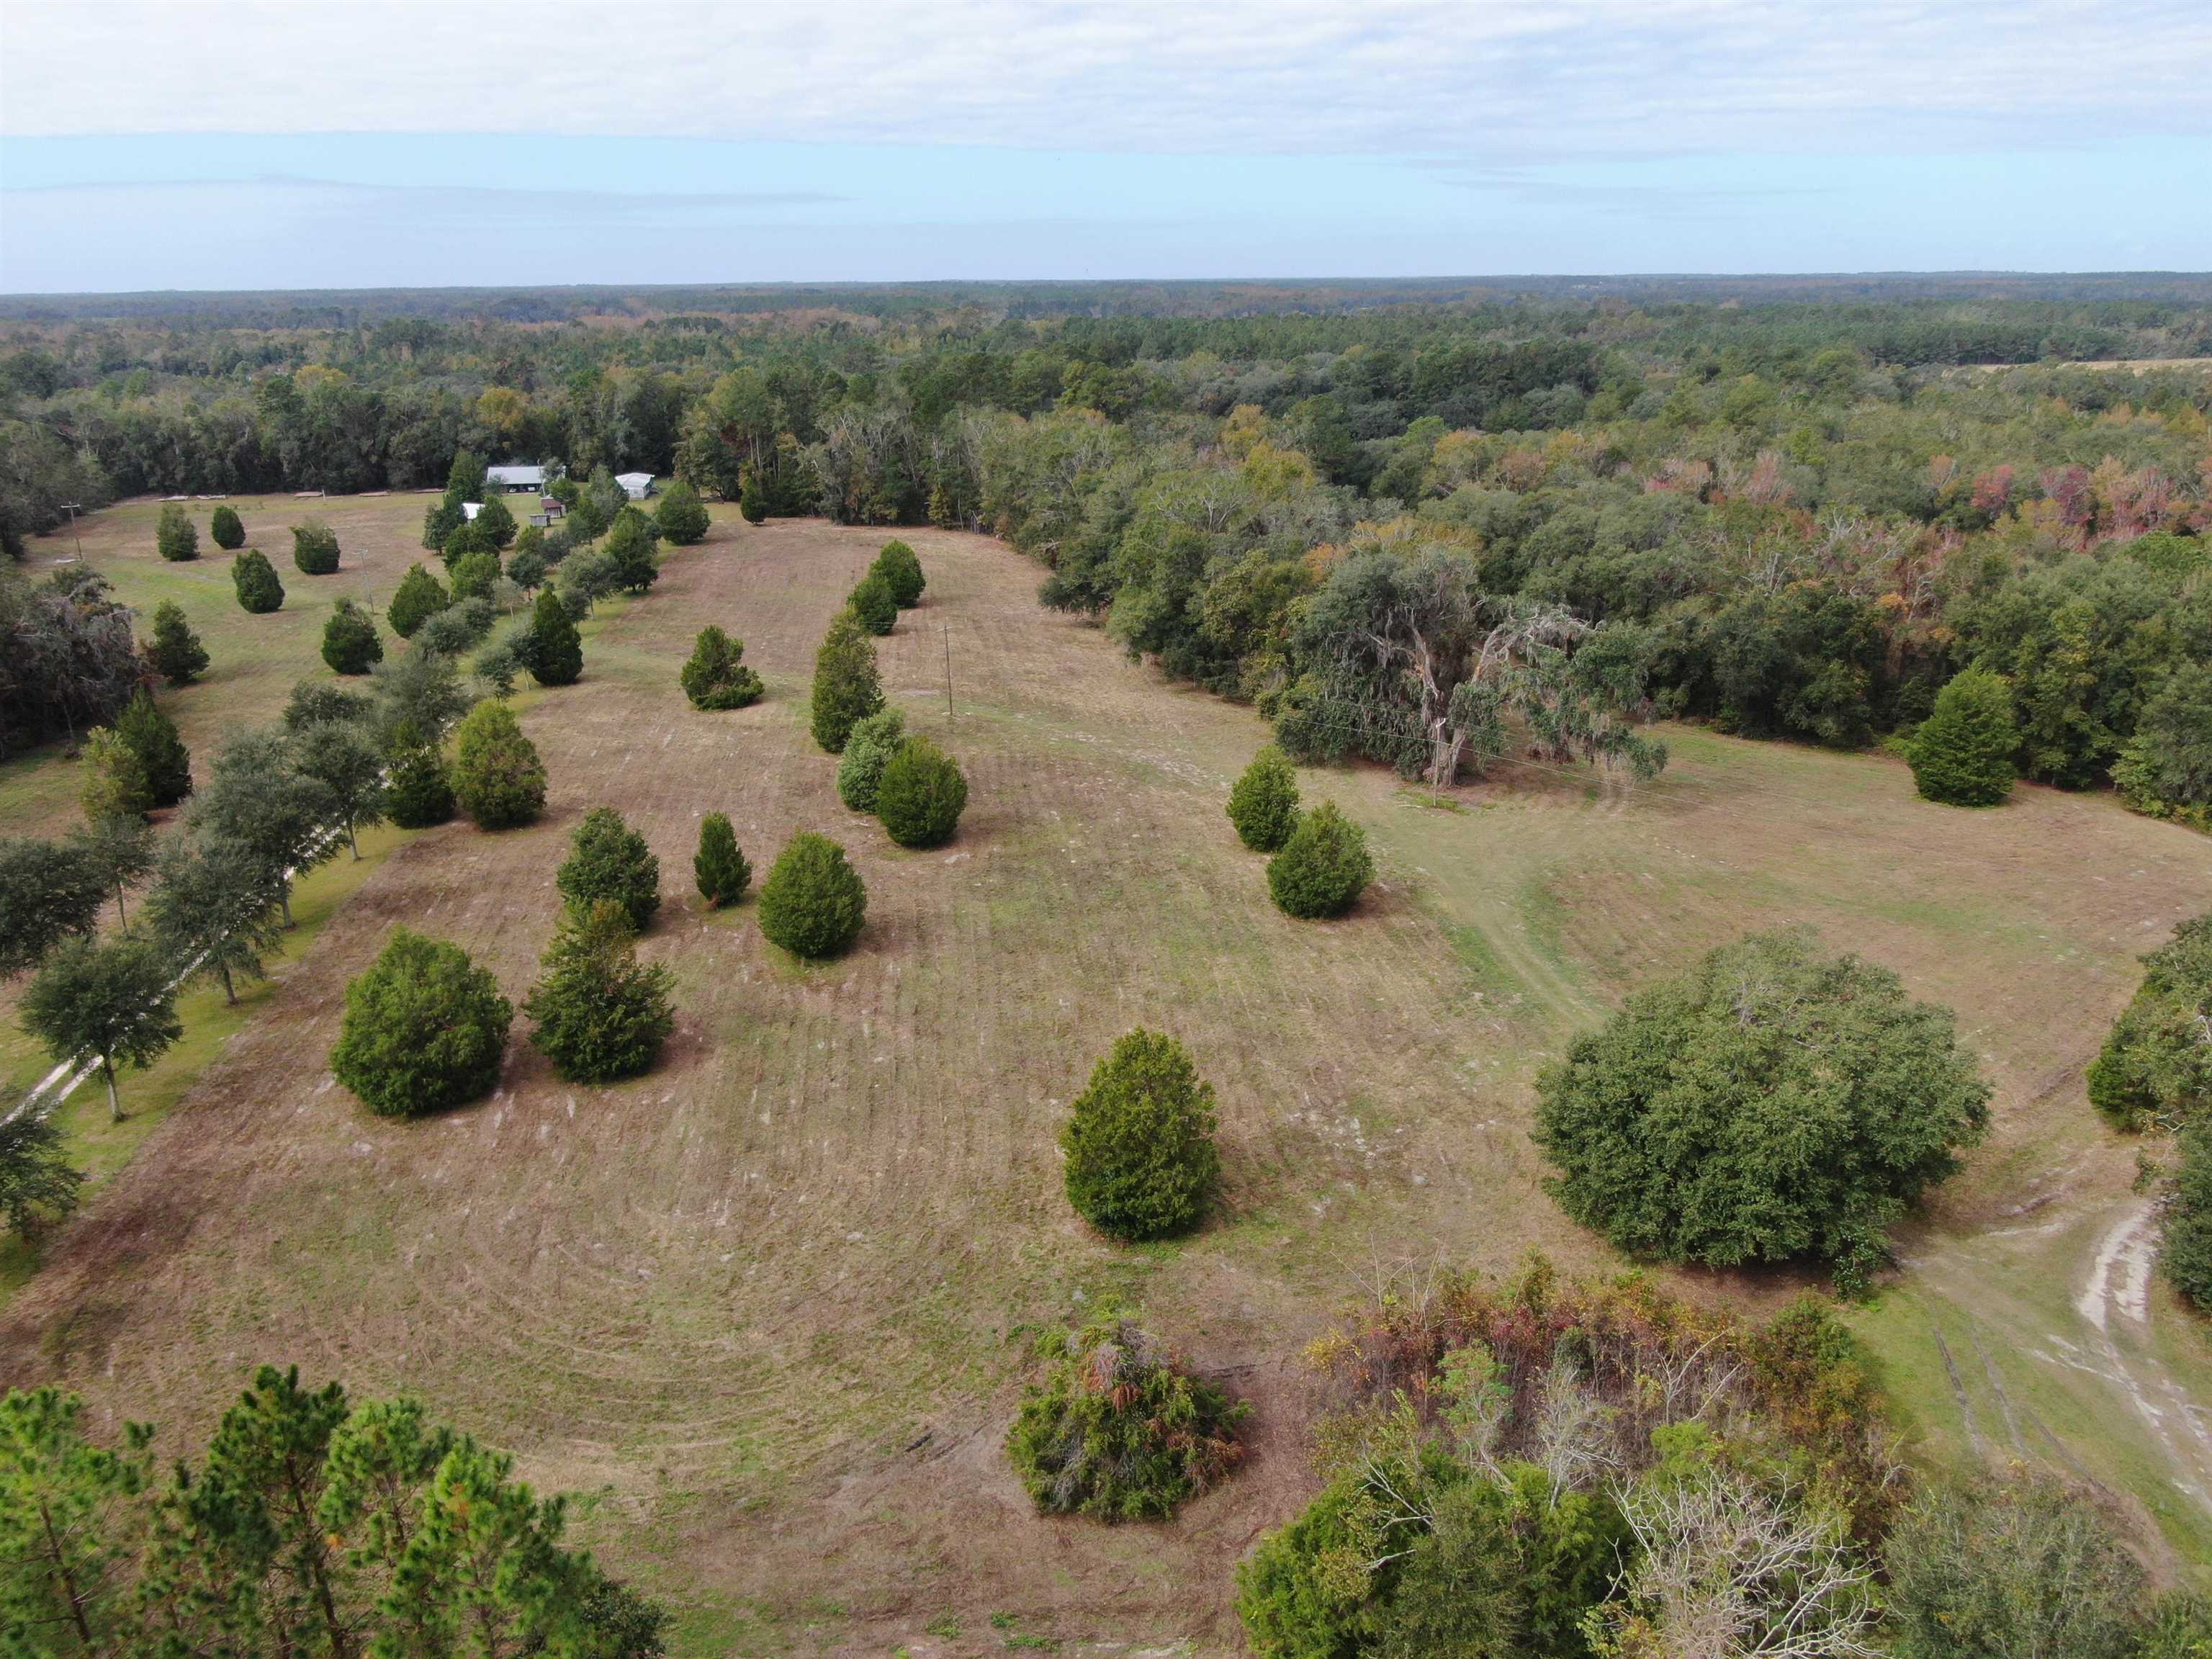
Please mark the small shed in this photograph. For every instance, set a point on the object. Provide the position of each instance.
(636, 485)
(552, 507)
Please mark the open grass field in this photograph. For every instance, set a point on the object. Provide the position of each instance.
(764, 1311)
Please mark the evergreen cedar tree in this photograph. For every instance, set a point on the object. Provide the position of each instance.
(629, 545)
(48, 891)
(2185, 1254)
(226, 528)
(498, 779)
(681, 516)
(1139, 1142)
(813, 903)
(601, 1016)
(350, 641)
(494, 523)
(609, 860)
(871, 602)
(718, 866)
(424, 1029)
(2166, 770)
(1323, 867)
(1121, 1429)
(868, 750)
(114, 778)
(176, 653)
(847, 686)
(475, 575)
(557, 652)
(1775, 1104)
(315, 548)
(254, 579)
(420, 791)
(901, 572)
(111, 999)
(463, 539)
(174, 538)
(1264, 804)
(2156, 1068)
(1962, 753)
(920, 794)
(37, 1186)
(420, 596)
(752, 500)
(715, 676)
(364, 1528)
(163, 760)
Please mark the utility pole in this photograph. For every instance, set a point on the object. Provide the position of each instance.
(946, 628)
(79, 540)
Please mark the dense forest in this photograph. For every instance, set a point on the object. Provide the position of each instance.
(1418, 521)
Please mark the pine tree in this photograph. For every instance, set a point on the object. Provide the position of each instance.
(601, 1016)
(812, 902)
(255, 580)
(63, 1524)
(350, 641)
(607, 859)
(420, 596)
(176, 653)
(226, 529)
(424, 1029)
(114, 778)
(1962, 753)
(557, 649)
(174, 538)
(847, 686)
(681, 515)
(1264, 805)
(315, 547)
(152, 736)
(498, 779)
(719, 867)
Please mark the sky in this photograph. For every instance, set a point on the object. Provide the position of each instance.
(227, 146)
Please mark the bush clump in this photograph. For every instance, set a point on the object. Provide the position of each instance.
(812, 902)
(1140, 1158)
(1264, 804)
(350, 641)
(868, 750)
(718, 866)
(609, 861)
(846, 687)
(871, 602)
(714, 675)
(556, 652)
(228, 529)
(681, 516)
(254, 580)
(174, 538)
(455, 628)
(498, 779)
(424, 1029)
(901, 572)
(601, 1014)
(920, 795)
(2156, 1068)
(1962, 753)
(1777, 1104)
(2185, 1256)
(315, 547)
(176, 653)
(1323, 868)
(1121, 1429)
(475, 575)
(419, 597)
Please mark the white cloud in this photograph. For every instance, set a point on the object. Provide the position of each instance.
(1503, 81)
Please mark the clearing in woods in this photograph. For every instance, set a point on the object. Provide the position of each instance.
(765, 1309)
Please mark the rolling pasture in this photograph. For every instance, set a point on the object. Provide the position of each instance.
(764, 1311)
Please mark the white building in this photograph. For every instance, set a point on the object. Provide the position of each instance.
(636, 485)
(469, 509)
(515, 480)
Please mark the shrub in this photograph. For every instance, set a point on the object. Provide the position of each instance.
(1120, 1428)
(1962, 753)
(2156, 1067)
(350, 641)
(315, 702)
(812, 902)
(681, 516)
(420, 791)
(498, 779)
(494, 522)
(600, 1014)
(868, 749)
(115, 784)
(846, 687)
(526, 565)
(920, 794)
(752, 506)
(1264, 804)
(718, 866)
(254, 579)
(455, 628)
(1323, 867)
(227, 528)
(174, 538)
(715, 676)
(314, 548)
(424, 1029)
(607, 859)
(2185, 1256)
(420, 596)
(1775, 1104)
(557, 656)
(871, 602)
(177, 654)
(901, 572)
(630, 549)
(163, 760)
(475, 575)
(1139, 1144)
